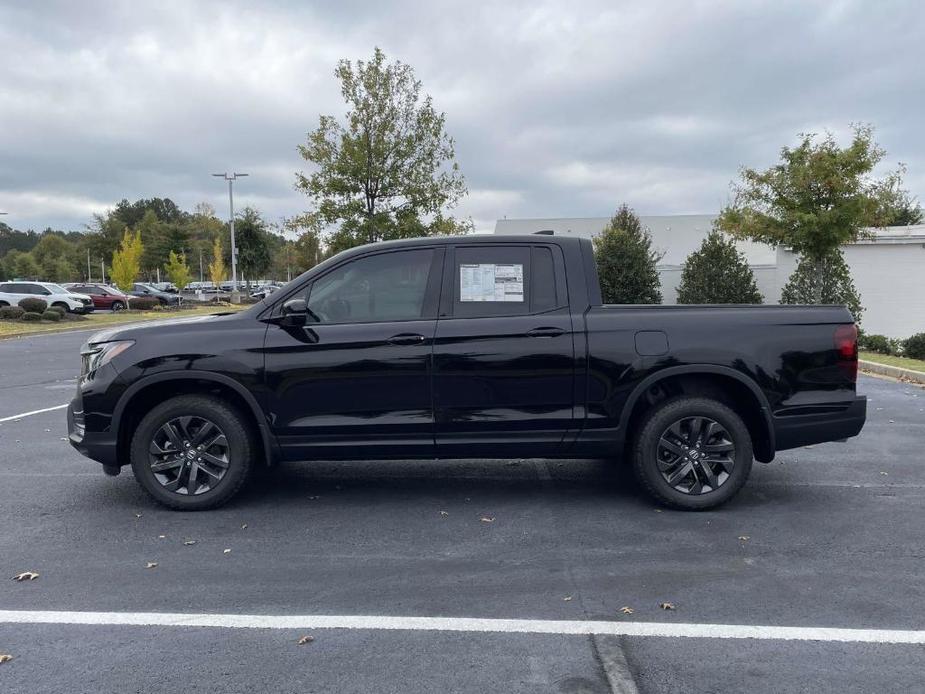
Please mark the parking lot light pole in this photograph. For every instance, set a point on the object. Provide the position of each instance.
(235, 294)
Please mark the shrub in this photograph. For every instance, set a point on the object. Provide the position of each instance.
(33, 305)
(828, 279)
(52, 315)
(58, 309)
(914, 347)
(31, 316)
(880, 344)
(11, 312)
(717, 273)
(626, 263)
(143, 303)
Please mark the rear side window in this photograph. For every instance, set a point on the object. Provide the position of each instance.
(491, 281)
(381, 287)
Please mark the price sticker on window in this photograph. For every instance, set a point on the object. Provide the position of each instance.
(491, 282)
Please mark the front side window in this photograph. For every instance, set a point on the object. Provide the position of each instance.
(382, 287)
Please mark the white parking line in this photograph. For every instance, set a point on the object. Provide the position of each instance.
(29, 414)
(464, 624)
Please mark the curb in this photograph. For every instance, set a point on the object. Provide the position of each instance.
(907, 375)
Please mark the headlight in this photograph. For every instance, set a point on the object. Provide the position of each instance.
(96, 356)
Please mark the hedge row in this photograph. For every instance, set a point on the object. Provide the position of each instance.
(912, 347)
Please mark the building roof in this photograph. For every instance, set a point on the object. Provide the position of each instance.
(677, 236)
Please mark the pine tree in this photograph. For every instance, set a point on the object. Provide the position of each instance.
(717, 273)
(825, 281)
(626, 263)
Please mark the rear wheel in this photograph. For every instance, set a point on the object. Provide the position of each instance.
(192, 452)
(692, 453)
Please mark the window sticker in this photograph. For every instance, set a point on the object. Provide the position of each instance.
(491, 282)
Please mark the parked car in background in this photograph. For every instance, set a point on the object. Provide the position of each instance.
(104, 297)
(168, 287)
(264, 291)
(11, 293)
(166, 299)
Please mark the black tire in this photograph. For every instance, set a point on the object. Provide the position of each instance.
(3, 303)
(238, 453)
(61, 304)
(659, 453)
(118, 306)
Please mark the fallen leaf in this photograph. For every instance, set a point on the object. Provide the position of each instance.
(227, 550)
(137, 515)
(667, 605)
(47, 431)
(658, 510)
(626, 610)
(444, 514)
(487, 519)
(306, 639)
(189, 542)
(884, 473)
(744, 538)
(892, 421)
(5, 658)
(567, 598)
(26, 576)
(244, 526)
(151, 565)
(161, 537)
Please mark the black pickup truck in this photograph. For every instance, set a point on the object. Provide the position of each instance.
(472, 347)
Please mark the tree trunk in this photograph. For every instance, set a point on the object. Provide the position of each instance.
(819, 272)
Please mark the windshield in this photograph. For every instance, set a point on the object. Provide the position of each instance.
(56, 288)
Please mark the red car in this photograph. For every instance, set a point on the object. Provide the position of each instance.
(104, 297)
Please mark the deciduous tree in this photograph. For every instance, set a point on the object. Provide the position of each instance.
(178, 271)
(126, 262)
(389, 170)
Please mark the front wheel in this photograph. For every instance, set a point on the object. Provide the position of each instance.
(118, 306)
(692, 453)
(192, 452)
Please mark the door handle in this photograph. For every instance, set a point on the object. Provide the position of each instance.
(406, 339)
(545, 332)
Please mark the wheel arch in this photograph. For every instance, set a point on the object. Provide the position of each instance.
(722, 383)
(148, 391)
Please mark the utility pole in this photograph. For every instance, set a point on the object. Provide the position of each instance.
(89, 278)
(200, 268)
(103, 270)
(235, 294)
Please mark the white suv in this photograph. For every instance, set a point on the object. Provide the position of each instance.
(11, 293)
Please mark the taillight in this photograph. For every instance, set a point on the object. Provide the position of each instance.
(846, 346)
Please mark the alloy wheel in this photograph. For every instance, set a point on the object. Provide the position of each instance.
(695, 455)
(189, 455)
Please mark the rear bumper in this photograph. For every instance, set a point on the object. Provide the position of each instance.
(98, 446)
(831, 425)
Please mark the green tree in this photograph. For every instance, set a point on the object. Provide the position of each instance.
(217, 265)
(717, 273)
(152, 232)
(817, 198)
(626, 263)
(25, 267)
(178, 271)
(901, 208)
(126, 262)
(831, 286)
(53, 255)
(253, 243)
(389, 171)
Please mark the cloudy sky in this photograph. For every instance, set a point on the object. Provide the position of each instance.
(559, 109)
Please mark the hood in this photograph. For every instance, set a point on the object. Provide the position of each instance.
(138, 331)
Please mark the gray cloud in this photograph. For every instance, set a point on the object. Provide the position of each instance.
(558, 109)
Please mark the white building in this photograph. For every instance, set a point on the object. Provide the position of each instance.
(888, 270)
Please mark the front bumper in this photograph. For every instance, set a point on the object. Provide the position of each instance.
(98, 446)
(818, 427)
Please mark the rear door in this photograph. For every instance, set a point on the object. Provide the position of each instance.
(504, 356)
(355, 381)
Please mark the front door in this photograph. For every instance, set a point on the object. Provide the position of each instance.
(504, 358)
(355, 381)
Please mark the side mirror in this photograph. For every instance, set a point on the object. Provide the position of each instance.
(294, 313)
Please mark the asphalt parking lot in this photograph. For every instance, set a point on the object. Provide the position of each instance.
(824, 538)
